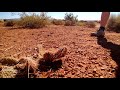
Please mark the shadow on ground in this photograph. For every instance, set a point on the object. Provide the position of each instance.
(23, 73)
(114, 49)
(46, 66)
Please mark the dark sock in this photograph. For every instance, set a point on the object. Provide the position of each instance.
(102, 28)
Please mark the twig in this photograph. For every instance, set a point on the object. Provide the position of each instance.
(28, 68)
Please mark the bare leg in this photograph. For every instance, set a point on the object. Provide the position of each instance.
(104, 18)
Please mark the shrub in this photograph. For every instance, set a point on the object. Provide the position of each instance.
(58, 22)
(114, 24)
(9, 23)
(81, 23)
(1, 23)
(90, 24)
(33, 21)
(70, 19)
(69, 23)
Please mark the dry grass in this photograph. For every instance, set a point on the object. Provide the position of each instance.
(90, 24)
(9, 23)
(7, 67)
(58, 22)
(1, 24)
(80, 23)
(8, 72)
(114, 24)
(33, 21)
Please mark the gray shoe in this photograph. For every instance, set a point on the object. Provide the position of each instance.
(99, 33)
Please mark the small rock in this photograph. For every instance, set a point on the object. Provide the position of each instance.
(101, 77)
(103, 67)
(82, 70)
(35, 55)
(69, 76)
(36, 49)
(96, 75)
(95, 69)
(91, 75)
(73, 42)
(51, 32)
(92, 58)
(80, 65)
(55, 46)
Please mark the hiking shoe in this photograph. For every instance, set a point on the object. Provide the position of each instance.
(99, 33)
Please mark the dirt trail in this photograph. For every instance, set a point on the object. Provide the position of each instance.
(87, 57)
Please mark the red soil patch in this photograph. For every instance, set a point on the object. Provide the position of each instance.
(87, 57)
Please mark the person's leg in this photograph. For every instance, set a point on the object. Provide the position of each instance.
(103, 23)
(104, 18)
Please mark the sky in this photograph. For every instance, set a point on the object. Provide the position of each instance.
(60, 15)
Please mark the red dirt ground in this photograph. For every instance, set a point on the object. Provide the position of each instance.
(87, 57)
